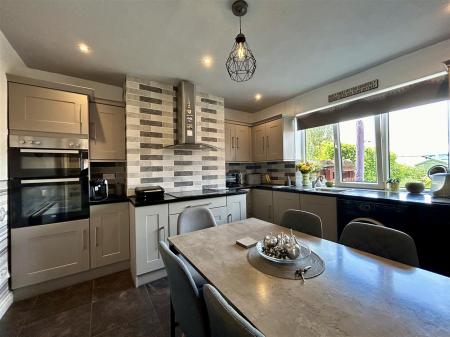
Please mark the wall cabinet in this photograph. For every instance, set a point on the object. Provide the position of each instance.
(262, 205)
(325, 208)
(238, 140)
(33, 108)
(282, 201)
(110, 234)
(107, 132)
(274, 140)
(46, 252)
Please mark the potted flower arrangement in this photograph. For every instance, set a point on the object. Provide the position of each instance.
(305, 168)
(393, 184)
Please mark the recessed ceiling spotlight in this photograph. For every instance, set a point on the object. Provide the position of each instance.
(84, 48)
(207, 61)
(258, 97)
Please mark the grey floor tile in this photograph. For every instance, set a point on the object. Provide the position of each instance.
(61, 300)
(13, 320)
(121, 308)
(74, 323)
(111, 284)
(143, 327)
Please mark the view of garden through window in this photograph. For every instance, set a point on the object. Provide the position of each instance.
(418, 140)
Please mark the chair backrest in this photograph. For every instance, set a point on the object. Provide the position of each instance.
(189, 307)
(194, 219)
(382, 241)
(224, 321)
(302, 221)
(368, 220)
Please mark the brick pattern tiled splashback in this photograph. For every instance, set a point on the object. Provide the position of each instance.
(278, 171)
(151, 126)
(115, 173)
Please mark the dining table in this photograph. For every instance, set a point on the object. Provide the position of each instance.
(358, 294)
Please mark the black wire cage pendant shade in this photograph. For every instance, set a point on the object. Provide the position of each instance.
(241, 64)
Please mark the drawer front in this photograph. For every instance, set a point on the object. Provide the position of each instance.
(178, 207)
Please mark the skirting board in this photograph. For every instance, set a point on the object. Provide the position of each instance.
(140, 280)
(6, 303)
(45, 287)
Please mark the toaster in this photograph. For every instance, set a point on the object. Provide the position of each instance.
(149, 193)
(440, 185)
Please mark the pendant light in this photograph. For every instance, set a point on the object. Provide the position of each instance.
(241, 64)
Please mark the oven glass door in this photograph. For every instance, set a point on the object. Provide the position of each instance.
(44, 201)
(45, 163)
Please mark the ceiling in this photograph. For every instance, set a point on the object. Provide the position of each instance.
(298, 44)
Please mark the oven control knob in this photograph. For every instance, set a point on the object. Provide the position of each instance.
(70, 144)
(77, 145)
(37, 142)
(21, 141)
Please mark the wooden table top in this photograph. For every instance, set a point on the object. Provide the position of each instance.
(358, 294)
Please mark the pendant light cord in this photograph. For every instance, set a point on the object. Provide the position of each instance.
(240, 31)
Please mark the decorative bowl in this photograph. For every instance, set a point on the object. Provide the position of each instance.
(304, 252)
(415, 187)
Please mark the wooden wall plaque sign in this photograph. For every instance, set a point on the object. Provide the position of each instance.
(358, 89)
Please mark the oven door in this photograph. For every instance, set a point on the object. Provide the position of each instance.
(46, 163)
(44, 201)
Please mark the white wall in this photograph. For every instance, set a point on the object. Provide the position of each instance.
(407, 68)
(239, 116)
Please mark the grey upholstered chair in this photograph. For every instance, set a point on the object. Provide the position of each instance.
(190, 220)
(194, 219)
(186, 298)
(302, 221)
(382, 241)
(224, 321)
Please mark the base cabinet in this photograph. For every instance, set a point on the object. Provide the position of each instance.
(325, 208)
(262, 205)
(236, 208)
(282, 201)
(149, 225)
(110, 234)
(46, 252)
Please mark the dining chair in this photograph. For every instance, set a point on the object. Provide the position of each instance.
(302, 221)
(224, 321)
(190, 220)
(368, 220)
(194, 219)
(185, 297)
(382, 241)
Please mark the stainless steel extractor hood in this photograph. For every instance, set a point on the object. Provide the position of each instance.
(186, 119)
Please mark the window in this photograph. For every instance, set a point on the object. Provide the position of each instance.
(319, 148)
(418, 140)
(358, 151)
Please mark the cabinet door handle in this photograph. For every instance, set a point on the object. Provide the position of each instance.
(159, 233)
(84, 239)
(229, 218)
(96, 236)
(263, 143)
(237, 143)
(267, 142)
(232, 142)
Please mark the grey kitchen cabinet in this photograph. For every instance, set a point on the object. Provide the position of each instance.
(274, 140)
(238, 141)
(33, 108)
(282, 201)
(46, 252)
(148, 226)
(236, 208)
(262, 204)
(325, 208)
(107, 132)
(110, 234)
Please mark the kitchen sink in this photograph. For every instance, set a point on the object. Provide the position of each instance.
(330, 189)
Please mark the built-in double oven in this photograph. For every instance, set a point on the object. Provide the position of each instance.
(49, 180)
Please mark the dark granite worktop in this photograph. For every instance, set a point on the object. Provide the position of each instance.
(110, 200)
(186, 196)
(350, 193)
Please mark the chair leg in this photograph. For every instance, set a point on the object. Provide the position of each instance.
(172, 320)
